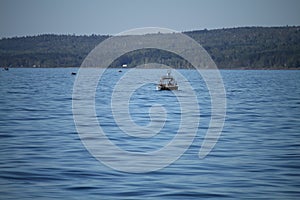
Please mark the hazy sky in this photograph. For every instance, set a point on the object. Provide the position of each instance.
(33, 17)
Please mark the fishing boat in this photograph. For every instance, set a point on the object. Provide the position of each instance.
(167, 82)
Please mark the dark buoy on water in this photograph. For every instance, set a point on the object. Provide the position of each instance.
(73, 73)
(6, 68)
(120, 70)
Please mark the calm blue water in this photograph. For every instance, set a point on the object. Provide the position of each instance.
(257, 155)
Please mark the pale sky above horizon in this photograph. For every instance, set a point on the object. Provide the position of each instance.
(33, 17)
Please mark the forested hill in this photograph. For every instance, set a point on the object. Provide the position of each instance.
(252, 47)
(47, 50)
(247, 47)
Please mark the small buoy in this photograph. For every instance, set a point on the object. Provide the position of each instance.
(73, 73)
(120, 70)
(6, 68)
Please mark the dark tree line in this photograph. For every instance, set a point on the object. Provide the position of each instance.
(247, 47)
(47, 50)
(252, 47)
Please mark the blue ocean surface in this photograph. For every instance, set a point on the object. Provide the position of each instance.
(256, 157)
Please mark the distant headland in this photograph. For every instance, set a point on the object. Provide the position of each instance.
(230, 48)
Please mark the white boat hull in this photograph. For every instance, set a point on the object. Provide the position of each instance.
(167, 87)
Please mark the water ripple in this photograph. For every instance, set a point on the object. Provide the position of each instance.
(257, 155)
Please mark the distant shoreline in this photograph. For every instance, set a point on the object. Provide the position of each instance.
(250, 48)
(232, 68)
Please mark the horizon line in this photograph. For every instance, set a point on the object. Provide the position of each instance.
(110, 35)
